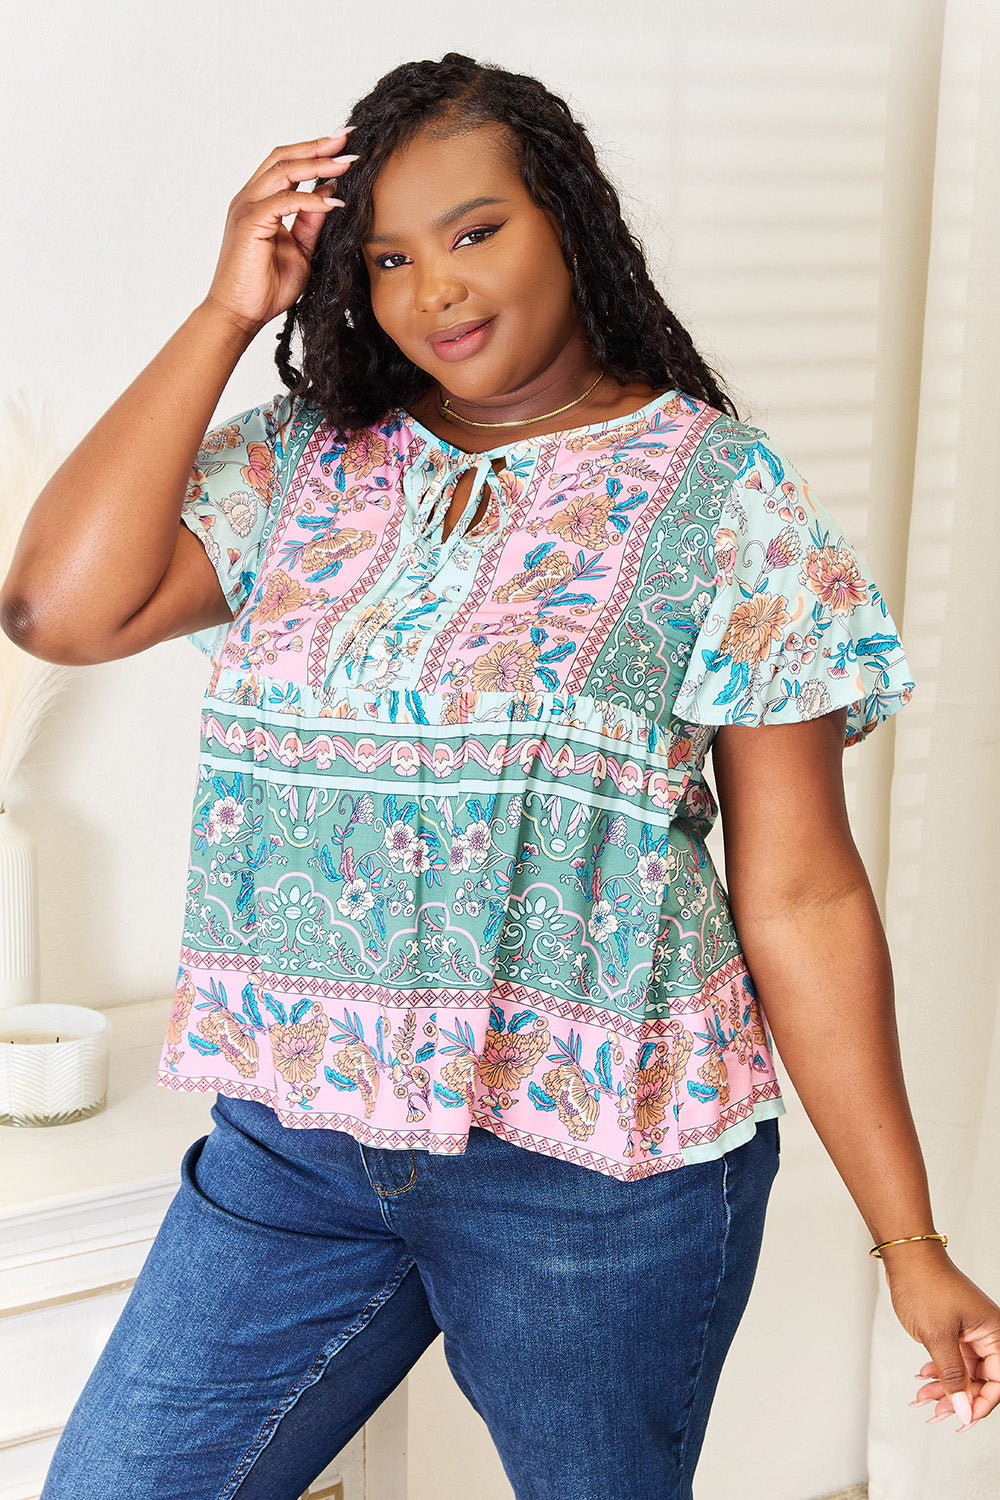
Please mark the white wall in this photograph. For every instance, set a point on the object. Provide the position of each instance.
(749, 136)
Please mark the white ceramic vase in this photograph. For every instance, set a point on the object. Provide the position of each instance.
(18, 916)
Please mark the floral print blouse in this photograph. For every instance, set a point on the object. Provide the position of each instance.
(448, 862)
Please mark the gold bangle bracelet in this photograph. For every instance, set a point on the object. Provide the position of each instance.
(876, 1250)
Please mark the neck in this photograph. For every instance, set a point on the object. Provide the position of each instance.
(508, 422)
(566, 380)
(607, 401)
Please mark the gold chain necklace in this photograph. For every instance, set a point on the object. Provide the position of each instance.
(449, 411)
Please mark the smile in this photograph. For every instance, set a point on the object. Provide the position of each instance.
(462, 340)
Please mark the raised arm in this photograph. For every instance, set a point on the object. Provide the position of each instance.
(103, 567)
(814, 944)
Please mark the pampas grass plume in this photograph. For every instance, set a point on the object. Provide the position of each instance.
(28, 687)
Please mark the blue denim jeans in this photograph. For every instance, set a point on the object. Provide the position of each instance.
(297, 1276)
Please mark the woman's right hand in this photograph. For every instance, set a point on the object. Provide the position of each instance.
(104, 567)
(263, 266)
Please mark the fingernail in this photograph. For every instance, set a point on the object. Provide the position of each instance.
(334, 202)
(923, 1401)
(345, 158)
(941, 1417)
(962, 1407)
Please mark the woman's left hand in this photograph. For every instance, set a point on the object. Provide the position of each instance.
(958, 1325)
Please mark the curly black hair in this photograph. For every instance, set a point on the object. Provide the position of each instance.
(354, 373)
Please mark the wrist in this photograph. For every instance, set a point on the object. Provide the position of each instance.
(912, 1253)
(235, 330)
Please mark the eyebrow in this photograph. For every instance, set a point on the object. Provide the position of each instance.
(439, 223)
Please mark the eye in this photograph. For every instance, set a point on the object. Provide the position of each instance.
(387, 262)
(478, 235)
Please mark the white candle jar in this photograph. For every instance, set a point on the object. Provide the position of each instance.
(53, 1064)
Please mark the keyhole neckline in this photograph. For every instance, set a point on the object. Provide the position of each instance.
(433, 505)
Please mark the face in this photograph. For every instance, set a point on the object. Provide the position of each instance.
(467, 271)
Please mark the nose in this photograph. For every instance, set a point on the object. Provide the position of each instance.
(437, 286)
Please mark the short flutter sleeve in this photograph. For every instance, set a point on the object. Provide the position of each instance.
(229, 503)
(796, 626)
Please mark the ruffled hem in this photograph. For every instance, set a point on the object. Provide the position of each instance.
(797, 627)
(729, 1137)
(795, 700)
(418, 1069)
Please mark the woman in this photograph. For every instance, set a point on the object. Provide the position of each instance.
(481, 591)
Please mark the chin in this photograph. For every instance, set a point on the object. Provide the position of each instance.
(471, 384)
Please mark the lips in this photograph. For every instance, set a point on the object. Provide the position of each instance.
(461, 340)
(456, 331)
